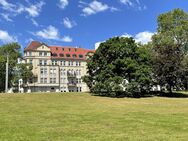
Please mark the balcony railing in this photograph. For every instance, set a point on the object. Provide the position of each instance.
(71, 84)
(70, 74)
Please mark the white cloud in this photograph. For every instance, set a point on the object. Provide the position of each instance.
(12, 10)
(97, 44)
(141, 37)
(126, 35)
(126, 2)
(63, 4)
(144, 37)
(95, 7)
(52, 33)
(5, 37)
(6, 5)
(136, 4)
(35, 9)
(6, 17)
(35, 22)
(67, 39)
(68, 23)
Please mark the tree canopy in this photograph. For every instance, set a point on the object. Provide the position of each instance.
(13, 52)
(116, 61)
(170, 45)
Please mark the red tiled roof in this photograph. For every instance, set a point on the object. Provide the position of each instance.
(33, 45)
(62, 50)
(71, 51)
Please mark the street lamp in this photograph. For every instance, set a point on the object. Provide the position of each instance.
(6, 82)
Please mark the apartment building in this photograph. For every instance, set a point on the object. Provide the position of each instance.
(56, 68)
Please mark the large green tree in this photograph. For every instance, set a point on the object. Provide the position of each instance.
(170, 46)
(12, 50)
(116, 61)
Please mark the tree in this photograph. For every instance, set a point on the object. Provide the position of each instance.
(12, 50)
(170, 45)
(22, 71)
(116, 60)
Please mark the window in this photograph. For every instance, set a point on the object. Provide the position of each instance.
(40, 54)
(62, 49)
(43, 62)
(67, 55)
(52, 80)
(81, 56)
(69, 49)
(63, 80)
(43, 80)
(69, 63)
(79, 72)
(53, 71)
(54, 62)
(45, 53)
(30, 61)
(63, 72)
(63, 63)
(72, 63)
(56, 48)
(75, 49)
(43, 71)
(54, 54)
(74, 55)
(61, 55)
(78, 80)
(30, 53)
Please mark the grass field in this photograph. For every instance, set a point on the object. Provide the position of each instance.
(81, 117)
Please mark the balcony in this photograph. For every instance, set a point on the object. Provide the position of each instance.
(71, 84)
(71, 75)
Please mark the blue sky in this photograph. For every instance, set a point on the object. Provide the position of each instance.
(83, 23)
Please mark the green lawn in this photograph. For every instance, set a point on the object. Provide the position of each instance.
(81, 117)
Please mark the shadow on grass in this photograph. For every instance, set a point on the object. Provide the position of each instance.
(172, 95)
(147, 95)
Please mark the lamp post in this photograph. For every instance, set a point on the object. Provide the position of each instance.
(6, 81)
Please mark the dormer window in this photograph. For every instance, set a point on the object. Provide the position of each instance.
(62, 49)
(75, 49)
(54, 54)
(67, 55)
(61, 55)
(69, 49)
(74, 55)
(81, 56)
(56, 48)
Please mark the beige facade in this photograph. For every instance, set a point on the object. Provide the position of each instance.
(56, 73)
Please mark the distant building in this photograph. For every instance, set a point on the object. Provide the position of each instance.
(56, 68)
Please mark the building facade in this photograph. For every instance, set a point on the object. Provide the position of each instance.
(56, 68)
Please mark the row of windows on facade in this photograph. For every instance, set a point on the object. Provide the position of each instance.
(67, 55)
(64, 89)
(55, 54)
(53, 71)
(55, 62)
(63, 81)
(40, 54)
